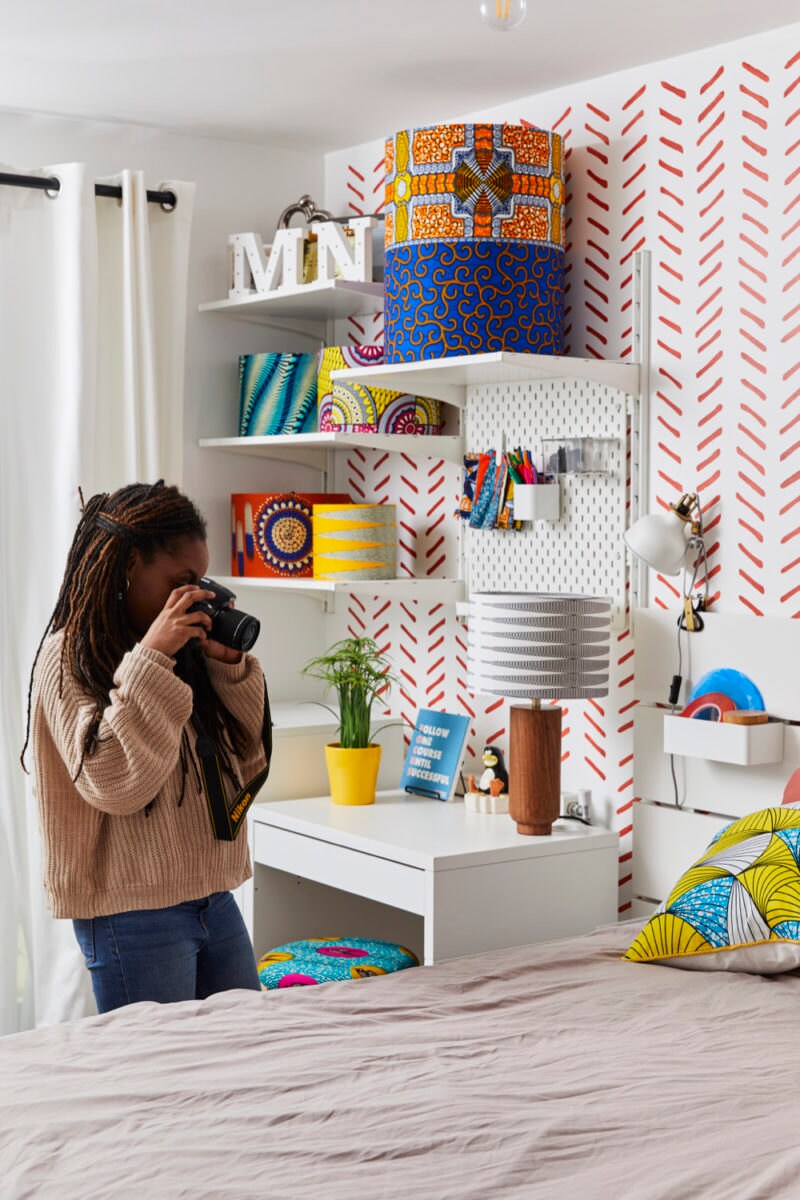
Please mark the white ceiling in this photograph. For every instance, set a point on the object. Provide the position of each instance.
(330, 73)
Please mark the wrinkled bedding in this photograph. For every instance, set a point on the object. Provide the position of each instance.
(555, 1071)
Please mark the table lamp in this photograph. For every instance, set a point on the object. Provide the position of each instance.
(537, 647)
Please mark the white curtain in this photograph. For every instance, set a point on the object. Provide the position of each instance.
(92, 331)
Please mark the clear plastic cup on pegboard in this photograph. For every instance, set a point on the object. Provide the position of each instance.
(577, 455)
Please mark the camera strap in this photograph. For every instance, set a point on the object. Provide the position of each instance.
(228, 816)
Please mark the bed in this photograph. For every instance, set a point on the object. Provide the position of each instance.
(553, 1071)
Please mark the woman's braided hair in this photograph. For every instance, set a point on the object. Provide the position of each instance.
(90, 609)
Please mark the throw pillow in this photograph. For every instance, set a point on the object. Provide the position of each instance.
(738, 907)
(320, 960)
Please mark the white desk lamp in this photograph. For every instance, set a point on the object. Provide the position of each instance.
(666, 542)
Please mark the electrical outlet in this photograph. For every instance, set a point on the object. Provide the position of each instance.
(576, 806)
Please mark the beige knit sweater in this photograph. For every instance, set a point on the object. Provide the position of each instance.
(102, 852)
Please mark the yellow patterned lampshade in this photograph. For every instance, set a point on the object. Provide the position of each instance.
(355, 541)
(350, 407)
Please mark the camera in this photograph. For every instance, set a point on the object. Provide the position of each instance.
(230, 626)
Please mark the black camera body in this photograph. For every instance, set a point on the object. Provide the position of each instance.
(230, 626)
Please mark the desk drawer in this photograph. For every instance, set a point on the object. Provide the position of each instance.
(350, 870)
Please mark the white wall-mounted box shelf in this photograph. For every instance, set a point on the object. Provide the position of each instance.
(745, 745)
(447, 379)
(427, 591)
(309, 302)
(311, 449)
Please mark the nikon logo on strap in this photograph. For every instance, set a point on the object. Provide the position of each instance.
(227, 817)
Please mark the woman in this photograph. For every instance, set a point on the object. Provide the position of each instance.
(129, 850)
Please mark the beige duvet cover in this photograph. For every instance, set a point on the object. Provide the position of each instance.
(554, 1072)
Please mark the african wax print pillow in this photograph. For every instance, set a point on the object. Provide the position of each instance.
(738, 907)
(320, 960)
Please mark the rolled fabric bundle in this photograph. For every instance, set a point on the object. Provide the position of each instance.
(355, 541)
(474, 241)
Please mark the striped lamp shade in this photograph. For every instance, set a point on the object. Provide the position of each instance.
(538, 646)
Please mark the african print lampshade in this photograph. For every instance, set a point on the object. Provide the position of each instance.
(271, 533)
(474, 241)
(346, 406)
(537, 647)
(355, 541)
(277, 394)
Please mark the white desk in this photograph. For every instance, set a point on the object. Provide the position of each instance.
(432, 876)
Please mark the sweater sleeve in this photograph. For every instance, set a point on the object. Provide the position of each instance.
(240, 686)
(139, 736)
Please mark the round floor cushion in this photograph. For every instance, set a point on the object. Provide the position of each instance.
(319, 960)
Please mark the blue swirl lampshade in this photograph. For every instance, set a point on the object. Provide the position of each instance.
(474, 241)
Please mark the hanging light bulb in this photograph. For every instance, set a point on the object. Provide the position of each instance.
(503, 15)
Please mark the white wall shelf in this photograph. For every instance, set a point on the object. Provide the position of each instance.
(746, 745)
(447, 379)
(317, 301)
(311, 449)
(428, 591)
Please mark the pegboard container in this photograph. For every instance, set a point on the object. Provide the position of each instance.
(583, 551)
(576, 455)
(537, 501)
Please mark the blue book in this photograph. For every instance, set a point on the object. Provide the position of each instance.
(435, 754)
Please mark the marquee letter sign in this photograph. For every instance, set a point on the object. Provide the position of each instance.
(257, 269)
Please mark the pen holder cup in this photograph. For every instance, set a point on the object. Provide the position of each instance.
(536, 502)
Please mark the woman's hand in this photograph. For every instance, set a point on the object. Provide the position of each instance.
(226, 654)
(175, 625)
(215, 649)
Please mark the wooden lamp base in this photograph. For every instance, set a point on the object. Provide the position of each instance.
(534, 783)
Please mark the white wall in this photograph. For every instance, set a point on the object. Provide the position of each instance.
(239, 187)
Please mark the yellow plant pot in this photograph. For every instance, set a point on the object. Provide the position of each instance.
(352, 773)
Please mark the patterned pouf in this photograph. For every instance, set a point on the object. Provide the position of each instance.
(319, 960)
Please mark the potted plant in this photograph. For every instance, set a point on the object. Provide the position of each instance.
(357, 671)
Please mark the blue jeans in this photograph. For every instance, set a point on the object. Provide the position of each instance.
(185, 952)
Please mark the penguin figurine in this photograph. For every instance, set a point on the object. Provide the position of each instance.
(495, 772)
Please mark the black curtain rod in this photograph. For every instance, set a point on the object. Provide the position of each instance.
(167, 200)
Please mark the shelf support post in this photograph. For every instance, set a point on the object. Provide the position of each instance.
(640, 417)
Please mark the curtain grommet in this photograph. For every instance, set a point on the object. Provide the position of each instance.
(166, 205)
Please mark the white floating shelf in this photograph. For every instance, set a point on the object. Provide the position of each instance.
(311, 302)
(745, 745)
(310, 449)
(427, 591)
(447, 379)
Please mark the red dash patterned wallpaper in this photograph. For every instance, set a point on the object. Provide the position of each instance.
(698, 161)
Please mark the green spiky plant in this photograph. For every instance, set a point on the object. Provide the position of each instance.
(357, 671)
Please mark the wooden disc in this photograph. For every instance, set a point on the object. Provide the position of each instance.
(745, 716)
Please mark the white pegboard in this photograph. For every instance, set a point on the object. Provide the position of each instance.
(583, 550)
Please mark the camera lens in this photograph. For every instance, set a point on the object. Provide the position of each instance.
(235, 629)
